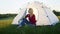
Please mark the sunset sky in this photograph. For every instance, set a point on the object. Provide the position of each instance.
(12, 6)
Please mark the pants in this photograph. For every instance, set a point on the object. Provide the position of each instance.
(24, 20)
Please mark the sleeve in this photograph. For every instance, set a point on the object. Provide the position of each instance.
(34, 18)
(26, 16)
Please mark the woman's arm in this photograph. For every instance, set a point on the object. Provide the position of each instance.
(26, 16)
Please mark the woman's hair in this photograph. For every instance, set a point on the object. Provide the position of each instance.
(30, 9)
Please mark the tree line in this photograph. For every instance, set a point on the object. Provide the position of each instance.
(56, 13)
(7, 15)
(13, 15)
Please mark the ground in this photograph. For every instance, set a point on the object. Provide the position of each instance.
(7, 28)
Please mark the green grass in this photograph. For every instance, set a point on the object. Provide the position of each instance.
(7, 28)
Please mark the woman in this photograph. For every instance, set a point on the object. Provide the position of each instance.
(30, 16)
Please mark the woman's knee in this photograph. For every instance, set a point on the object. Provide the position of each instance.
(24, 19)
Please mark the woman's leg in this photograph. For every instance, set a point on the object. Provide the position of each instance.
(24, 20)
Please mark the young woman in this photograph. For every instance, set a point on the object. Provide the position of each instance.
(30, 16)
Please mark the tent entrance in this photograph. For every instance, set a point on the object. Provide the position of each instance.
(35, 12)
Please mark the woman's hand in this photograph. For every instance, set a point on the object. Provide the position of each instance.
(23, 17)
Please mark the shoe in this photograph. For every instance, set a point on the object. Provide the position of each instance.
(19, 26)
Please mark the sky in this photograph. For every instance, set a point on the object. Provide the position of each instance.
(13, 6)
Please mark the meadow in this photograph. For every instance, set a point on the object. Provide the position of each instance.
(7, 28)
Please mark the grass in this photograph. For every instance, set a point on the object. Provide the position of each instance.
(5, 22)
(7, 28)
(59, 17)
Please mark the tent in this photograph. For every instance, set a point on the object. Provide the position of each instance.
(44, 15)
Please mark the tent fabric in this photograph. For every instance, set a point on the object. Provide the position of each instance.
(44, 15)
(19, 16)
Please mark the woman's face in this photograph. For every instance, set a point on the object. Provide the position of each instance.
(30, 11)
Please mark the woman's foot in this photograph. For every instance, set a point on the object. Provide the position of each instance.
(19, 26)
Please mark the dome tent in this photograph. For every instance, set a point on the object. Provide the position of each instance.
(44, 15)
